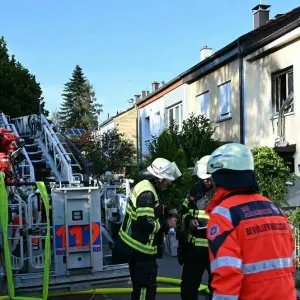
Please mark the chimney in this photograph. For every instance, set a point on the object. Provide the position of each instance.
(144, 94)
(205, 52)
(148, 93)
(137, 98)
(261, 15)
(155, 86)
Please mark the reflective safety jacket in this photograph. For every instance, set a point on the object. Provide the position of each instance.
(189, 211)
(251, 248)
(140, 224)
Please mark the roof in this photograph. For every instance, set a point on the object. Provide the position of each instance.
(116, 115)
(243, 45)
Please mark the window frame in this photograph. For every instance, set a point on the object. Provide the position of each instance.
(228, 114)
(274, 100)
(147, 134)
(199, 104)
(180, 113)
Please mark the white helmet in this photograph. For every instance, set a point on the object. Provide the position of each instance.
(164, 169)
(232, 166)
(200, 169)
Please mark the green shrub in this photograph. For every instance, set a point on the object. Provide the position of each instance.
(272, 173)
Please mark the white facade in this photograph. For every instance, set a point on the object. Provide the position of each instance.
(106, 127)
(157, 115)
(270, 74)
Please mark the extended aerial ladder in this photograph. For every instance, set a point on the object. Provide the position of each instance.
(80, 255)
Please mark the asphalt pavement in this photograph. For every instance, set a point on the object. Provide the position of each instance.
(168, 267)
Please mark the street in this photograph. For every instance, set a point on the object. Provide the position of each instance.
(168, 267)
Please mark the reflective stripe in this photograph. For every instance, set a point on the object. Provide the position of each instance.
(223, 212)
(201, 243)
(198, 242)
(226, 261)
(143, 294)
(198, 214)
(224, 297)
(136, 244)
(186, 203)
(156, 226)
(145, 211)
(267, 265)
(253, 268)
(184, 216)
(131, 212)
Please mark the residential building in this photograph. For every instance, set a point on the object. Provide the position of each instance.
(272, 97)
(125, 121)
(158, 109)
(241, 88)
(107, 125)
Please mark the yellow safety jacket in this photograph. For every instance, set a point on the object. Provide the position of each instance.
(190, 211)
(140, 224)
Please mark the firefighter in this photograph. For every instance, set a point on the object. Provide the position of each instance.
(193, 251)
(251, 244)
(140, 233)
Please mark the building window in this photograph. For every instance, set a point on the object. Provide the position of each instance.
(203, 104)
(224, 92)
(175, 114)
(282, 86)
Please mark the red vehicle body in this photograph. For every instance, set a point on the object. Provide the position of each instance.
(10, 153)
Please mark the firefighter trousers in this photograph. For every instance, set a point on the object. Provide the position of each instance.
(194, 265)
(143, 273)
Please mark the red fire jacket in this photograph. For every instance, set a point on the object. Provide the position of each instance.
(251, 246)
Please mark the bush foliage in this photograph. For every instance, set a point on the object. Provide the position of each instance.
(110, 151)
(184, 147)
(194, 141)
(272, 173)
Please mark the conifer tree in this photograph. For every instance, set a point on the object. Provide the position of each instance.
(79, 108)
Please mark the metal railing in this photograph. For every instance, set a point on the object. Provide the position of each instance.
(26, 167)
(38, 127)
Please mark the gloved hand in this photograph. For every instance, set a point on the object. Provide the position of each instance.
(193, 224)
(179, 256)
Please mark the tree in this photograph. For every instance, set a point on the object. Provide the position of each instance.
(79, 108)
(20, 94)
(184, 147)
(56, 118)
(272, 173)
(110, 151)
(195, 138)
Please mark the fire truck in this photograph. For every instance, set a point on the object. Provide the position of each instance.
(53, 235)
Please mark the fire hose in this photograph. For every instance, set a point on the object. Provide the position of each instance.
(103, 291)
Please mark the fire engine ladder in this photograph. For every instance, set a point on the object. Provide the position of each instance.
(46, 149)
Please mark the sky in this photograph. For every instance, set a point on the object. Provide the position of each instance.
(122, 45)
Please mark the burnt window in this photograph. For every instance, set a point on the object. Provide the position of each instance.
(282, 86)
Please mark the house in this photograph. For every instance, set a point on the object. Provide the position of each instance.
(247, 89)
(158, 109)
(271, 95)
(125, 121)
(234, 86)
